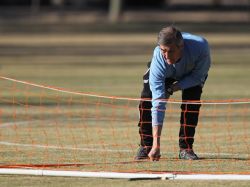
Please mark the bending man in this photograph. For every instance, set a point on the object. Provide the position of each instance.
(180, 62)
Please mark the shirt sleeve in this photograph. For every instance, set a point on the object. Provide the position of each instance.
(157, 87)
(200, 71)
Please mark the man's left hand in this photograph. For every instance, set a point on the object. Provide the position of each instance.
(175, 87)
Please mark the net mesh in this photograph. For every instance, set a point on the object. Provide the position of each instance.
(48, 127)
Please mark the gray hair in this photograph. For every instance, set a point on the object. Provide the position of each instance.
(170, 35)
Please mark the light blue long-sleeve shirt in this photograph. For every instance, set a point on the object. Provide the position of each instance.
(191, 70)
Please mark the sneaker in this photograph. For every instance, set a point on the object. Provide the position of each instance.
(142, 153)
(187, 155)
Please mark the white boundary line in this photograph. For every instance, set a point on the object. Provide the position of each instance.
(90, 149)
(106, 150)
(63, 148)
(116, 175)
(119, 98)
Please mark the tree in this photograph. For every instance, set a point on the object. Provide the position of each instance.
(58, 3)
(115, 8)
(35, 6)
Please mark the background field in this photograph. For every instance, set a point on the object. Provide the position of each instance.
(112, 63)
(109, 63)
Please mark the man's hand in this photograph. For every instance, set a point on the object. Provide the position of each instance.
(169, 90)
(175, 87)
(154, 154)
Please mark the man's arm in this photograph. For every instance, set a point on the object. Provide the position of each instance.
(154, 154)
(157, 86)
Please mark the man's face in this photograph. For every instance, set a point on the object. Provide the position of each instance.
(171, 53)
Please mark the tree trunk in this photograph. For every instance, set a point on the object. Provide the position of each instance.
(35, 6)
(115, 8)
(58, 3)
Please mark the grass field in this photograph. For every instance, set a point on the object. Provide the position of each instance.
(48, 127)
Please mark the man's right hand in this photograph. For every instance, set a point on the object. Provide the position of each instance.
(154, 154)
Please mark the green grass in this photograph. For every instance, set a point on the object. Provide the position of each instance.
(69, 181)
(104, 135)
(73, 126)
(126, 80)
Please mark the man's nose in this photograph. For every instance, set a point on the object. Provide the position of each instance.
(166, 54)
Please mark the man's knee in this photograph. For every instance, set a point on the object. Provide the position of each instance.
(193, 93)
(146, 94)
(192, 97)
(190, 107)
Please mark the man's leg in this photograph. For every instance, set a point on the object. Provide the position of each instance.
(189, 121)
(145, 123)
(145, 120)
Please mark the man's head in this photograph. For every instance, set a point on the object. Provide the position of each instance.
(171, 43)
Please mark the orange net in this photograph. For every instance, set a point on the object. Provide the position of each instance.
(48, 127)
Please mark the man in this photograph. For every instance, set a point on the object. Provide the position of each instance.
(180, 63)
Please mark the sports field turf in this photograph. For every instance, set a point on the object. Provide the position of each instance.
(50, 127)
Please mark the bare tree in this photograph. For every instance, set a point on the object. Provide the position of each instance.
(58, 3)
(35, 6)
(115, 8)
(60, 6)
